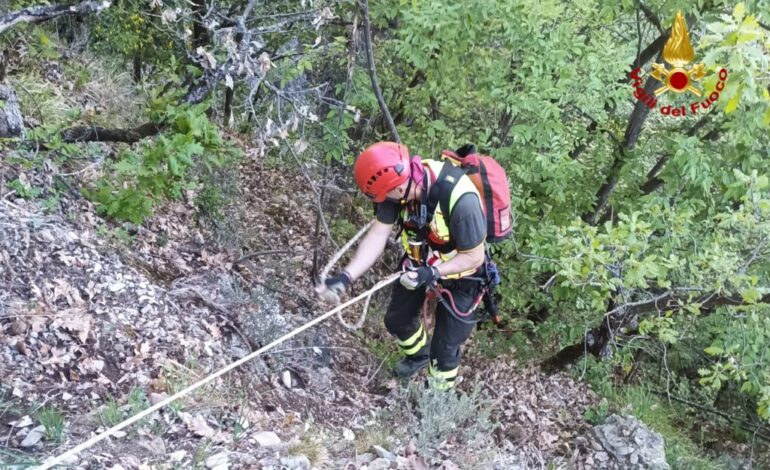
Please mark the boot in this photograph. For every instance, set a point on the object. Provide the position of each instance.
(410, 365)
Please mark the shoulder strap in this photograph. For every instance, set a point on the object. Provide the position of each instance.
(441, 190)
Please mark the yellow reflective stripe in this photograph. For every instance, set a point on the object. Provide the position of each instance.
(445, 375)
(441, 384)
(442, 380)
(463, 187)
(413, 344)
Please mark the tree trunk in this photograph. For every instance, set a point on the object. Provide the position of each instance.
(137, 68)
(597, 340)
(11, 122)
(200, 36)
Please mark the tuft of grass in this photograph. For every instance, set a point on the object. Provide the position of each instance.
(111, 414)
(371, 436)
(312, 447)
(384, 350)
(137, 401)
(53, 421)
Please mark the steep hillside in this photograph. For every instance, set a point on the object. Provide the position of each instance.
(100, 320)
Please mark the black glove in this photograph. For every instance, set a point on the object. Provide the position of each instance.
(339, 283)
(424, 275)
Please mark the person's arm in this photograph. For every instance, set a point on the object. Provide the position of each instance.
(369, 250)
(463, 261)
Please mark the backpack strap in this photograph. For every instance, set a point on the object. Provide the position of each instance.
(441, 190)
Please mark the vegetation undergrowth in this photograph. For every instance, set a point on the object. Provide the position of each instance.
(686, 441)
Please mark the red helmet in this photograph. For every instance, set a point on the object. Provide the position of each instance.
(381, 168)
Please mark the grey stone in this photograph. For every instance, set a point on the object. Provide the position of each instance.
(379, 464)
(364, 459)
(296, 462)
(631, 443)
(268, 463)
(218, 461)
(384, 453)
(33, 437)
(267, 439)
(623, 450)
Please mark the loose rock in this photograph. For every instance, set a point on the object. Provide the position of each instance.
(379, 464)
(384, 453)
(33, 437)
(296, 462)
(267, 439)
(218, 461)
(631, 443)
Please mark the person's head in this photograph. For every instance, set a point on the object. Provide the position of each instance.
(384, 172)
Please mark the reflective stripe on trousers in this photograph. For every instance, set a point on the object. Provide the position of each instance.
(413, 344)
(441, 379)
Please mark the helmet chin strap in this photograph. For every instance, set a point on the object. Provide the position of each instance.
(415, 167)
(404, 201)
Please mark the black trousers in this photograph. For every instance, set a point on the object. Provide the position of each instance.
(403, 319)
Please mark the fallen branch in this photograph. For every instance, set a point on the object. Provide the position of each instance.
(597, 339)
(101, 134)
(44, 13)
(261, 253)
(195, 95)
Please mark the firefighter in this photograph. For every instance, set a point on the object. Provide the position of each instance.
(445, 253)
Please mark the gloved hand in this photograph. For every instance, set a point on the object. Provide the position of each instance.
(334, 286)
(419, 277)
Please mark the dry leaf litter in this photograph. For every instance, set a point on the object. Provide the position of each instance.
(86, 319)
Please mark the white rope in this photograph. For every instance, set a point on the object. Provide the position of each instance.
(358, 324)
(342, 251)
(100, 437)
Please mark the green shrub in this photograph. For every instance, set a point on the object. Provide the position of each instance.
(451, 414)
(163, 167)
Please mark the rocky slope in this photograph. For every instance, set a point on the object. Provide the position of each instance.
(98, 320)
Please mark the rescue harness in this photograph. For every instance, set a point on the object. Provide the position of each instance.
(417, 227)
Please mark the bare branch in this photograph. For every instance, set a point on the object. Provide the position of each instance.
(653, 182)
(651, 16)
(373, 72)
(43, 13)
(101, 134)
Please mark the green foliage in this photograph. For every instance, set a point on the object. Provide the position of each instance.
(163, 168)
(137, 401)
(111, 414)
(741, 353)
(131, 28)
(383, 350)
(53, 421)
(24, 190)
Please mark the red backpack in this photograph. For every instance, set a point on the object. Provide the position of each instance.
(492, 183)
